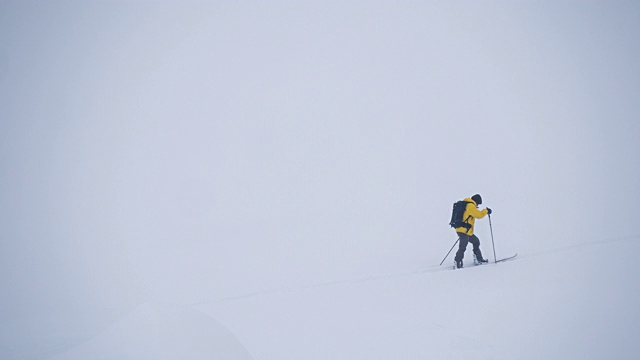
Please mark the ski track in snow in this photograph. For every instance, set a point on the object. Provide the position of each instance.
(429, 270)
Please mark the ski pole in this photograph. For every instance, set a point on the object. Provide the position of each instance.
(454, 245)
(495, 259)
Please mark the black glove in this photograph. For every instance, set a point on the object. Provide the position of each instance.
(489, 211)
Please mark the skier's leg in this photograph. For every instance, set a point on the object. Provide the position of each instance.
(476, 247)
(464, 240)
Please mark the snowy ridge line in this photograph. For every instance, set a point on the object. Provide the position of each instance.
(428, 270)
(583, 245)
(362, 279)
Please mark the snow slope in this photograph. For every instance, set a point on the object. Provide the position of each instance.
(548, 305)
(551, 305)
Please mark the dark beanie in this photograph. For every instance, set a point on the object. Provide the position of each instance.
(477, 198)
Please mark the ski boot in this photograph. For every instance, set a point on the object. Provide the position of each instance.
(479, 260)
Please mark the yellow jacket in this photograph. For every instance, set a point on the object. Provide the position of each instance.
(471, 213)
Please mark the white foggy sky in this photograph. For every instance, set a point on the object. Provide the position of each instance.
(182, 152)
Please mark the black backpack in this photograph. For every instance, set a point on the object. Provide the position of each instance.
(459, 207)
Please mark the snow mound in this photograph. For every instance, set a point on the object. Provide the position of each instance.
(160, 332)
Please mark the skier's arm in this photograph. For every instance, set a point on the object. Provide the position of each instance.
(478, 214)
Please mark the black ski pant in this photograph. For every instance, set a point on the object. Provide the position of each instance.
(464, 240)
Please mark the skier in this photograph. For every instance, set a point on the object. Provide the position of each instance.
(466, 235)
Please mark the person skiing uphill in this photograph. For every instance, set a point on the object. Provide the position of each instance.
(465, 233)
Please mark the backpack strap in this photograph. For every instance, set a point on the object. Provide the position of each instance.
(467, 219)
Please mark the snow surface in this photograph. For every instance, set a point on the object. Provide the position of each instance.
(550, 305)
(559, 304)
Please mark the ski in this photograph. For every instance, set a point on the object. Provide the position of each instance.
(508, 258)
(482, 264)
(475, 263)
(467, 267)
